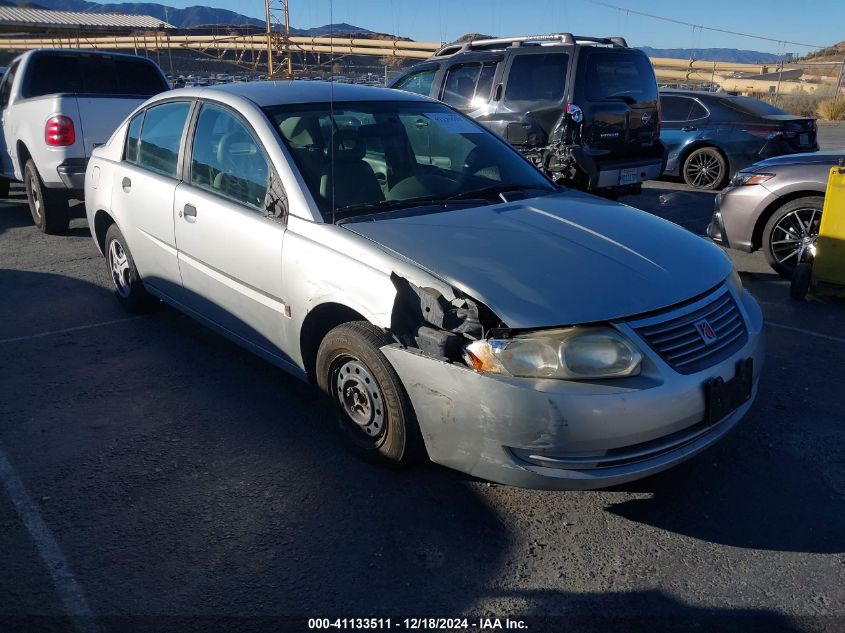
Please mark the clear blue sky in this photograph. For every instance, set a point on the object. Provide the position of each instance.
(811, 21)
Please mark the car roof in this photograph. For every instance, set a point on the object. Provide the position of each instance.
(270, 93)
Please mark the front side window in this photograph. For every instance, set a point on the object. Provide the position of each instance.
(537, 77)
(468, 85)
(161, 135)
(418, 82)
(359, 157)
(133, 136)
(6, 85)
(227, 160)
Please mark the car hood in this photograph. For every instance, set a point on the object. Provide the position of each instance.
(813, 158)
(557, 260)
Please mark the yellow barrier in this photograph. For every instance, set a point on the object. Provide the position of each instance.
(829, 261)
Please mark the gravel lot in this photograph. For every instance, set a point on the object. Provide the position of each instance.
(161, 471)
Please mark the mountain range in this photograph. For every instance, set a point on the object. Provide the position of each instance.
(186, 18)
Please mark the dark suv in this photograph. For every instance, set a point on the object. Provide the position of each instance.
(583, 109)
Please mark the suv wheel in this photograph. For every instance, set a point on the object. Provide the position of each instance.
(49, 207)
(705, 168)
(790, 231)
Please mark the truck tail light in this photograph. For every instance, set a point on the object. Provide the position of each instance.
(59, 131)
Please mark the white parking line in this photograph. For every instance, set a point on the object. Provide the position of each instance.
(69, 591)
(79, 328)
(826, 337)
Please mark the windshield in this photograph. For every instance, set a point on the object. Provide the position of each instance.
(360, 157)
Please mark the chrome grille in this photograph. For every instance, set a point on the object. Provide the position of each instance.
(678, 342)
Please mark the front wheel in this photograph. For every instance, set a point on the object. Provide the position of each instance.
(375, 415)
(790, 231)
(48, 207)
(705, 168)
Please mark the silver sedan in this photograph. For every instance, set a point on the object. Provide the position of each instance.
(449, 299)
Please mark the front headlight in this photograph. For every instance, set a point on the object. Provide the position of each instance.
(575, 353)
(742, 178)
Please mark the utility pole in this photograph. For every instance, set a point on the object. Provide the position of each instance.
(269, 39)
(287, 41)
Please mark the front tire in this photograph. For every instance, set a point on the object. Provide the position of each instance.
(375, 414)
(790, 231)
(128, 287)
(705, 169)
(49, 207)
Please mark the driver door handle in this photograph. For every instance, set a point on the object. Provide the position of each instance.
(689, 128)
(190, 212)
(126, 184)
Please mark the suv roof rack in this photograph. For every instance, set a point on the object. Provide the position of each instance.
(521, 40)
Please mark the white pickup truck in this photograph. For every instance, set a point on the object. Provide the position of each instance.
(57, 106)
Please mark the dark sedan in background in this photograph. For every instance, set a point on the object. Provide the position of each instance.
(775, 205)
(709, 136)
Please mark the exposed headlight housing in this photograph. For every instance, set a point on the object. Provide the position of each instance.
(575, 353)
(742, 178)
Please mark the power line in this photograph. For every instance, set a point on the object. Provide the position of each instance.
(701, 26)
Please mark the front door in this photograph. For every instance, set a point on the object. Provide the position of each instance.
(230, 250)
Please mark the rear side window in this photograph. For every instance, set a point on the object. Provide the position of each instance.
(418, 82)
(161, 135)
(133, 135)
(538, 77)
(675, 108)
(92, 74)
(227, 160)
(754, 107)
(468, 85)
(623, 76)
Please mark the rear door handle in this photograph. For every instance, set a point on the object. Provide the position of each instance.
(126, 184)
(190, 212)
(689, 128)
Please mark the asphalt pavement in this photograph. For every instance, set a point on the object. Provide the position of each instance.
(157, 477)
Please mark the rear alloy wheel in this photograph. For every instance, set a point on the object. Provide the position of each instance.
(48, 207)
(705, 168)
(128, 287)
(790, 231)
(375, 415)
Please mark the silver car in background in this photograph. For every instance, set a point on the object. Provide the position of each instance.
(774, 205)
(449, 299)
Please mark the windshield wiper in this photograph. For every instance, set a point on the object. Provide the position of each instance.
(493, 190)
(384, 205)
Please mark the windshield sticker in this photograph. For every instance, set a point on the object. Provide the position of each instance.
(454, 123)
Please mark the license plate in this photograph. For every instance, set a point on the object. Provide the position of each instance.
(630, 176)
(803, 139)
(723, 397)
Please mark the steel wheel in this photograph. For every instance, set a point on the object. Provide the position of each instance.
(793, 234)
(360, 399)
(120, 270)
(705, 168)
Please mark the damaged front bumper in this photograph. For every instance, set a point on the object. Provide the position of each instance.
(556, 434)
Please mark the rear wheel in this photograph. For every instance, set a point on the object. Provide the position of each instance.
(790, 231)
(128, 287)
(705, 168)
(375, 415)
(49, 207)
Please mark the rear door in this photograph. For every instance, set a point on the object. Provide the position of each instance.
(467, 85)
(230, 248)
(531, 98)
(682, 121)
(143, 190)
(617, 91)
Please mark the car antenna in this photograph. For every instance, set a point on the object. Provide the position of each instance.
(331, 109)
